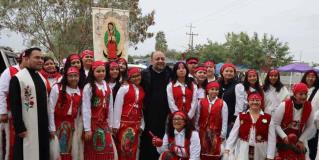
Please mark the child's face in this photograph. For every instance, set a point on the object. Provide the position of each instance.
(254, 104)
(99, 73)
(212, 93)
(252, 79)
(136, 78)
(201, 75)
(73, 79)
(114, 72)
(301, 97)
(178, 122)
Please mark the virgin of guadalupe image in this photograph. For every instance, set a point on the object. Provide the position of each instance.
(112, 38)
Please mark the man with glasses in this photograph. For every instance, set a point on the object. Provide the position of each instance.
(154, 81)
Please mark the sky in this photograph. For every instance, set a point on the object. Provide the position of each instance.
(293, 21)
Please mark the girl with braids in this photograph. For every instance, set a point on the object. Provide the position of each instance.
(49, 71)
(242, 90)
(65, 100)
(180, 142)
(275, 91)
(97, 111)
(181, 92)
(113, 77)
(123, 69)
(128, 116)
(75, 60)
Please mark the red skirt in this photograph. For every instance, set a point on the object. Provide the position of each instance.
(100, 147)
(210, 145)
(128, 140)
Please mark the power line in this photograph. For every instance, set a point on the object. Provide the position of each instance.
(191, 35)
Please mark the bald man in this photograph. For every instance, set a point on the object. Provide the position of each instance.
(154, 81)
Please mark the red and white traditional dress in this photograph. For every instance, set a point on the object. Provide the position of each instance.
(179, 147)
(288, 121)
(7, 134)
(98, 118)
(248, 138)
(128, 118)
(62, 115)
(182, 98)
(212, 126)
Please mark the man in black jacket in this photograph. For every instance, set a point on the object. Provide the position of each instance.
(154, 81)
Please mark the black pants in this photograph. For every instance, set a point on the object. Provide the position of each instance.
(313, 145)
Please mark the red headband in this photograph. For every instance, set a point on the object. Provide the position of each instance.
(226, 65)
(251, 71)
(87, 52)
(132, 71)
(209, 64)
(74, 56)
(97, 64)
(311, 72)
(182, 114)
(254, 96)
(114, 65)
(299, 87)
(200, 68)
(273, 72)
(122, 60)
(192, 60)
(73, 70)
(211, 85)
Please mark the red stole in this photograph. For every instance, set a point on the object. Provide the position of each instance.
(261, 127)
(178, 97)
(212, 119)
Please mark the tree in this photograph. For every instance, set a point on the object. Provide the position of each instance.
(160, 42)
(250, 51)
(64, 26)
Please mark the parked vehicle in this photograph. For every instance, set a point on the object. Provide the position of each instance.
(7, 58)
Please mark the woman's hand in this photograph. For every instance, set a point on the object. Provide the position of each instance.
(157, 142)
(87, 135)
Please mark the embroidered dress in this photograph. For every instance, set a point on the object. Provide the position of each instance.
(128, 118)
(248, 139)
(212, 125)
(98, 119)
(62, 115)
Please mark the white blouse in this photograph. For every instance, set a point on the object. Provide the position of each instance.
(86, 105)
(53, 99)
(274, 98)
(118, 105)
(171, 100)
(241, 98)
(194, 147)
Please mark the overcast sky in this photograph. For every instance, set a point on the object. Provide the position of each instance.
(292, 21)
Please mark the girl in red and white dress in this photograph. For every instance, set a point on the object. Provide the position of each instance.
(97, 111)
(181, 92)
(201, 81)
(49, 71)
(65, 100)
(180, 142)
(294, 125)
(212, 123)
(113, 77)
(249, 136)
(128, 116)
(275, 91)
(211, 68)
(242, 90)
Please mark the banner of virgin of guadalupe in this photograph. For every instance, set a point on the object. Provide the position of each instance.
(110, 33)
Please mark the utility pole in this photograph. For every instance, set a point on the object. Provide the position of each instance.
(191, 37)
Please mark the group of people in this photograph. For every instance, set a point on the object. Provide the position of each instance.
(97, 110)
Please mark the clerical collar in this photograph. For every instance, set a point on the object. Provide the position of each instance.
(32, 70)
(156, 71)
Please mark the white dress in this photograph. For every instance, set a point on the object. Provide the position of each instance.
(274, 98)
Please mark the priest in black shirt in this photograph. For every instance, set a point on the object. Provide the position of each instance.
(28, 102)
(154, 81)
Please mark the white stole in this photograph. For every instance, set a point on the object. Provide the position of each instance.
(29, 114)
